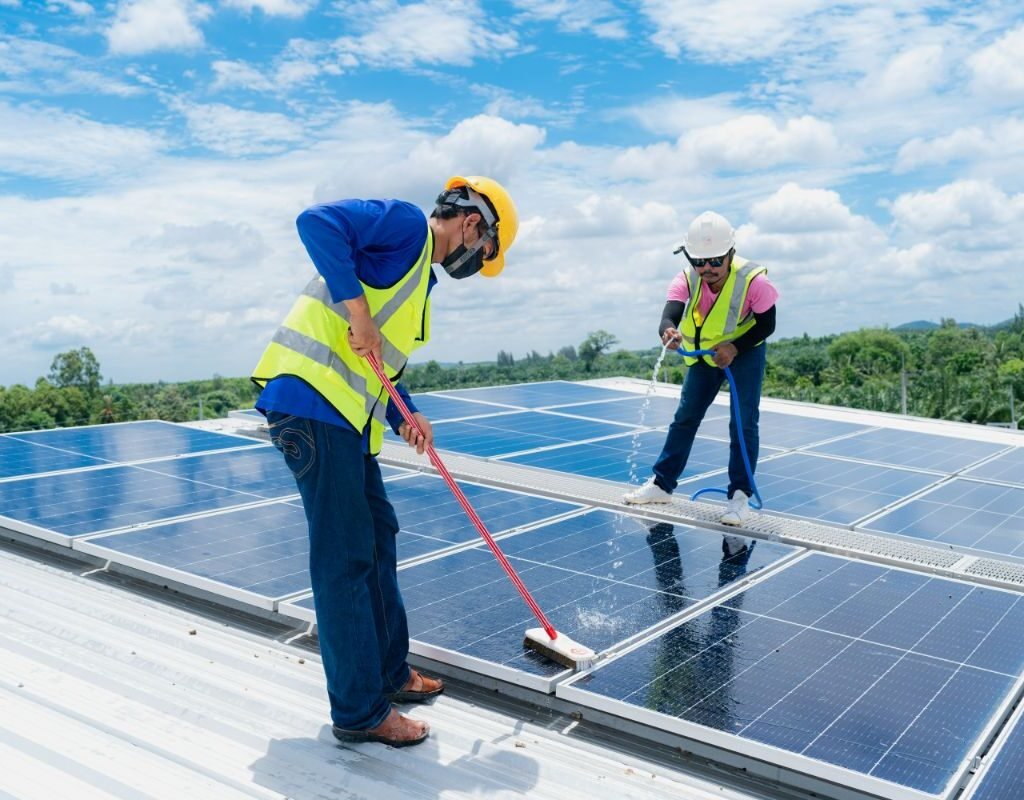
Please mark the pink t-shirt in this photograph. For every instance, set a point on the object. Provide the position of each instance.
(760, 296)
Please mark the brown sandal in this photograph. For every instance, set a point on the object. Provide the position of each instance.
(418, 689)
(396, 730)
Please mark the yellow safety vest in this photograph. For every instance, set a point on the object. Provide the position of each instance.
(312, 344)
(723, 321)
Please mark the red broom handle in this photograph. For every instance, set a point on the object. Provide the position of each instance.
(435, 459)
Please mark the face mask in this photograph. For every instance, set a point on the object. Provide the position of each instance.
(461, 262)
(465, 261)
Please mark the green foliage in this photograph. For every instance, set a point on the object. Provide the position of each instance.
(951, 373)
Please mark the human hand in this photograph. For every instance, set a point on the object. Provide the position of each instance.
(671, 338)
(724, 354)
(420, 439)
(364, 336)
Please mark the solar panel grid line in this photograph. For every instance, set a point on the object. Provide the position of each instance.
(885, 784)
(491, 403)
(546, 447)
(181, 579)
(291, 495)
(725, 594)
(842, 437)
(866, 521)
(253, 445)
(1006, 467)
(627, 425)
(879, 548)
(499, 536)
(1000, 771)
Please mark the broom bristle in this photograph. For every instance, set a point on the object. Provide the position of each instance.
(561, 650)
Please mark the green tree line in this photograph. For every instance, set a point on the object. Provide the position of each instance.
(950, 372)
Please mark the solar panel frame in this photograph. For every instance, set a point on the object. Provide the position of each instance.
(301, 608)
(912, 447)
(1000, 468)
(1001, 773)
(952, 515)
(532, 395)
(51, 459)
(700, 738)
(131, 547)
(66, 439)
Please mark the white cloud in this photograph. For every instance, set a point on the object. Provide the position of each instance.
(750, 142)
(144, 26)
(970, 214)
(238, 132)
(10, 3)
(67, 289)
(273, 8)
(6, 278)
(394, 35)
(728, 31)
(68, 330)
(998, 70)
(673, 116)
(35, 67)
(77, 7)
(1001, 141)
(794, 209)
(48, 143)
(289, 71)
(218, 242)
(910, 73)
(599, 17)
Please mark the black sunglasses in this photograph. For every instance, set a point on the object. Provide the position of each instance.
(697, 263)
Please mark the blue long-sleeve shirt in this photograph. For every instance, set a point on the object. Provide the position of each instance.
(351, 242)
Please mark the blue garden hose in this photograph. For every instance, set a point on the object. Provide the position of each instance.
(758, 504)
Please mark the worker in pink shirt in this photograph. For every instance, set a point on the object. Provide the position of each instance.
(724, 303)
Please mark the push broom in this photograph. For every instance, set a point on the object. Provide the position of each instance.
(544, 640)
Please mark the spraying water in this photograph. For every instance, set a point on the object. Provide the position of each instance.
(634, 451)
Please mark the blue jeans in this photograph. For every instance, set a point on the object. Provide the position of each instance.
(360, 616)
(699, 389)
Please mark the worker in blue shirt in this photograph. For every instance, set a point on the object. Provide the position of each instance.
(326, 411)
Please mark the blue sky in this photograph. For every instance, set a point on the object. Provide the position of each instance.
(154, 155)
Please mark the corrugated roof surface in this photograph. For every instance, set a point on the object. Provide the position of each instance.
(107, 692)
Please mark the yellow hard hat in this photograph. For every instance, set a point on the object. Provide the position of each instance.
(507, 224)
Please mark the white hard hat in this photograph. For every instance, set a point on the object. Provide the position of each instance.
(710, 235)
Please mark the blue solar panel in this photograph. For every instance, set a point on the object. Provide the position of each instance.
(432, 519)
(1005, 775)
(1008, 467)
(965, 513)
(78, 503)
(600, 577)
(538, 395)
(828, 489)
(24, 458)
(777, 429)
(523, 430)
(911, 449)
(610, 458)
(133, 441)
(263, 550)
(260, 471)
(659, 410)
(850, 664)
(437, 407)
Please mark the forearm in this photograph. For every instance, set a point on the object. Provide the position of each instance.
(671, 316)
(394, 416)
(764, 326)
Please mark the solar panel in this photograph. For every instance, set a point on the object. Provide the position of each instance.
(261, 553)
(1003, 778)
(944, 454)
(777, 429)
(962, 512)
(1008, 467)
(828, 489)
(61, 506)
(892, 677)
(133, 441)
(609, 459)
(659, 410)
(600, 577)
(260, 471)
(538, 395)
(523, 430)
(25, 458)
(437, 407)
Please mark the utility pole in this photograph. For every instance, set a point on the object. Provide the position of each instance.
(903, 384)
(1013, 412)
(200, 408)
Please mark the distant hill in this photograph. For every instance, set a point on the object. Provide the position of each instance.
(926, 325)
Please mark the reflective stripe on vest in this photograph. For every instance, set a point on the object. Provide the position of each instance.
(312, 344)
(723, 322)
